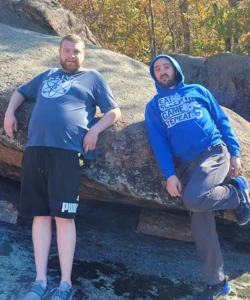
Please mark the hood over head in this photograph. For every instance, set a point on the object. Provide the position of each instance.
(180, 76)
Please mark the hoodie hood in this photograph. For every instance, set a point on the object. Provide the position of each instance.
(180, 82)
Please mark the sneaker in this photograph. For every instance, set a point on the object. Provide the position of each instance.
(242, 213)
(63, 292)
(215, 291)
(37, 291)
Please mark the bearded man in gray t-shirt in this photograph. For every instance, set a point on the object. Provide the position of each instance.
(62, 134)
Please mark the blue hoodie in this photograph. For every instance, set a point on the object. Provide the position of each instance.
(184, 121)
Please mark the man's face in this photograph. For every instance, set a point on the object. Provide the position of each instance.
(71, 56)
(165, 73)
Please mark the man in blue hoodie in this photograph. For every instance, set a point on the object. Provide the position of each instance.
(196, 149)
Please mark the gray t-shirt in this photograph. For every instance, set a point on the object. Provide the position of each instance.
(65, 107)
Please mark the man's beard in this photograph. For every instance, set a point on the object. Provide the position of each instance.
(170, 83)
(70, 66)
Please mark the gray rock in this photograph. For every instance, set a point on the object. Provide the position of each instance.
(126, 170)
(113, 262)
(191, 66)
(46, 16)
(227, 77)
(8, 212)
(9, 197)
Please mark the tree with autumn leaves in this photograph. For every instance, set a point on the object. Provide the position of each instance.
(144, 28)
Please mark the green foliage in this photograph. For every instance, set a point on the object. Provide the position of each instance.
(230, 22)
(203, 27)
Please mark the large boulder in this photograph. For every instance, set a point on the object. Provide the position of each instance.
(46, 16)
(191, 66)
(126, 170)
(227, 77)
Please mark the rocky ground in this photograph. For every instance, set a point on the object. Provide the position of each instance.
(114, 262)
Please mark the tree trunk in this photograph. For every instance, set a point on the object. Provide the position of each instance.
(233, 3)
(152, 38)
(232, 39)
(185, 25)
(170, 30)
(228, 44)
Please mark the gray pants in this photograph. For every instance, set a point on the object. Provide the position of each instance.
(203, 192)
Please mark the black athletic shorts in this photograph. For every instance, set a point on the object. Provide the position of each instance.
(50, 182)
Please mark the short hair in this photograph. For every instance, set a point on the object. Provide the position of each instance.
(73, 38)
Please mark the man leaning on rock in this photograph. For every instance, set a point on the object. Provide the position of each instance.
(195, 147)
(61, 135)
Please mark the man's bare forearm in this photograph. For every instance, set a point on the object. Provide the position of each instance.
(107, 120)
(15, 101)
(10, 122)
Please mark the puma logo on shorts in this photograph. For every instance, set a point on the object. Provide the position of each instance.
(69, 207)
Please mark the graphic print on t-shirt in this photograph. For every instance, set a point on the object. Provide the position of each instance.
(55, 87)
(176, 109)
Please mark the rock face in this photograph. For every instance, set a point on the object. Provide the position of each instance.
(160, 223)
(46, 16)
(191, 66)
(126, 170)
(9, 197)
(227, 77)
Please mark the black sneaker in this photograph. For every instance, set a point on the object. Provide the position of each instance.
(242, 213)
(215, 291)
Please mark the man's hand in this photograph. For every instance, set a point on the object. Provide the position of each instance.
(109, 118)
(235, 166)
(10, 124)
(174, 186)
(90, 140)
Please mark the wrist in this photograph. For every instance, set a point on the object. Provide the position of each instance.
(10, 111)
(171, 176)
(94, 130)
(235, 156)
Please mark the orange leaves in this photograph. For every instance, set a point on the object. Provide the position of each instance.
(137, 28)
